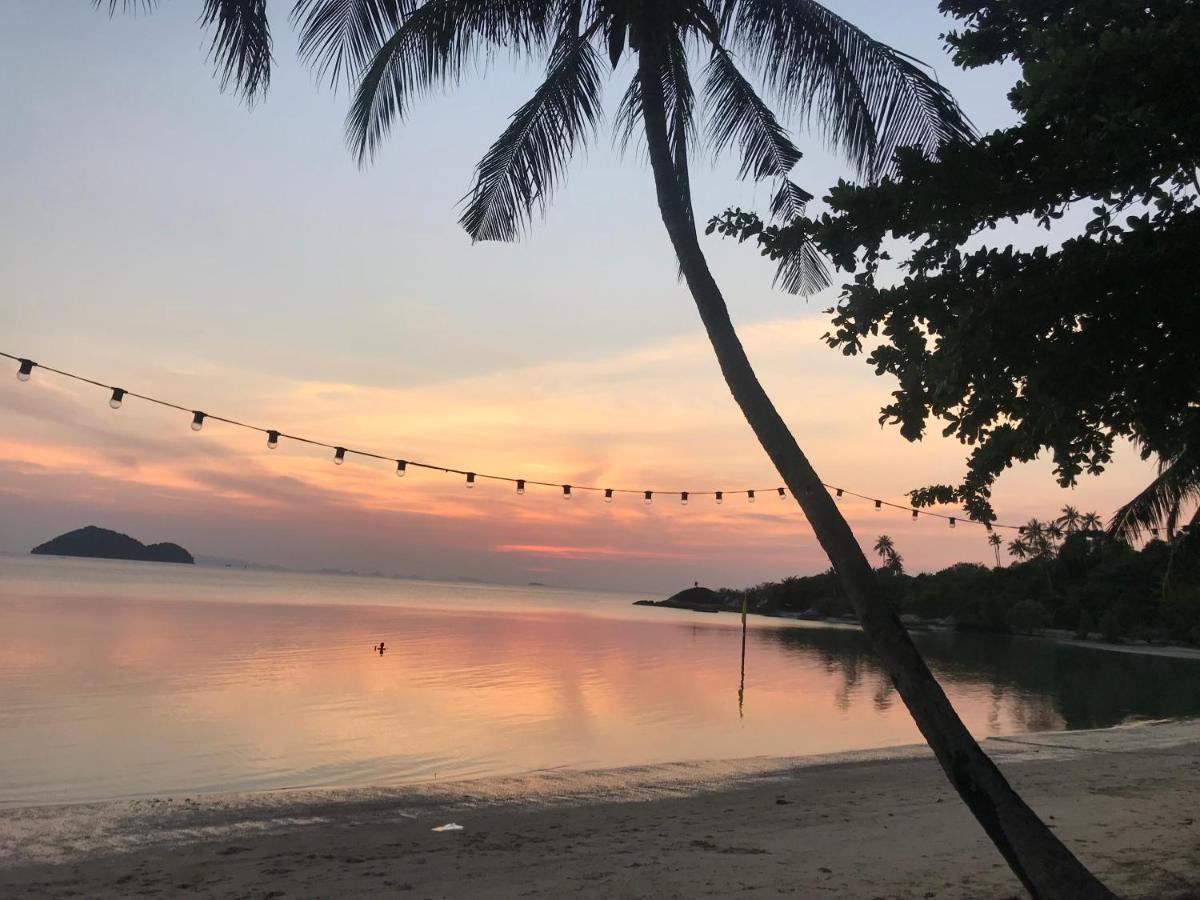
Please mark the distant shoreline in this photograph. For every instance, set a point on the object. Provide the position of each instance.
(1051, 635)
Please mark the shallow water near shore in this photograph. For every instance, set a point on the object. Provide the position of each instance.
(122, 680)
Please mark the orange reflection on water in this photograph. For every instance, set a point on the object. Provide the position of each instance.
(117, 680)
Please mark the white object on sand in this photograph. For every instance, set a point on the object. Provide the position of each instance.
(450, 827)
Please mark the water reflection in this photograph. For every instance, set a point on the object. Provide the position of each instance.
(133, 690)
(1037, 684)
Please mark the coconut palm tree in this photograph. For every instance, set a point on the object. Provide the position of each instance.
(892, 561)
(868, 98)
(1070, 519)
(1091, 522)
(995, 541)
(1163, 502)
(1018, 549)
(884, 546)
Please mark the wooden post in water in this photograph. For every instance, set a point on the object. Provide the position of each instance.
(742, 678)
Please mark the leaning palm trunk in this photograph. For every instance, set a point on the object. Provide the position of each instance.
(1044, 865)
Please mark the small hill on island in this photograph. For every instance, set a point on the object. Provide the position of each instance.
(103, 543)
(696, 598)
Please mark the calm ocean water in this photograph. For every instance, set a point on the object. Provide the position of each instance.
(132, 679)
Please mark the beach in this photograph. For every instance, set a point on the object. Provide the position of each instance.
(858, 825)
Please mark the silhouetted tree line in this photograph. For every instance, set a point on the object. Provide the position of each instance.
(1088, 584)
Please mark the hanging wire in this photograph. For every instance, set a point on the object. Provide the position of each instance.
(274, 435)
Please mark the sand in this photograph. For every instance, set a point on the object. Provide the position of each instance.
(882, 824)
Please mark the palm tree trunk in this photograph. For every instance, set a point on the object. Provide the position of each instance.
(1044, 865)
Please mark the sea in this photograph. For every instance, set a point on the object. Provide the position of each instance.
(131, 680)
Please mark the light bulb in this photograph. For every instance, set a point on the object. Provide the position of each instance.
(649, 497)
(272, 440)
(470, 479)
(782, 494)
(878, 505)
(683, 498)
(566, 492)
(750, 496)
(197, 420)
(953, 522)
(608, 495)
(720, 497)
(839, 493)
(401, 468)
(339, 456)
(520, 485)
(117, 397)
(915, 513)
(25, 369)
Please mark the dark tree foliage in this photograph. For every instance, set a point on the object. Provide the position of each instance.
(1092, 585)
(1068, 347)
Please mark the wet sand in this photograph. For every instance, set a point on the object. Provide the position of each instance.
(882, 824)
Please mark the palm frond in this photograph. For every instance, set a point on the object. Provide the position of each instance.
(738, 115)
(1160, 503)
(681, 101)
(527, 161)
(339, 37)
(867, 98)
(432, 46)
(803, 271)
(241, 44)
(789, 201)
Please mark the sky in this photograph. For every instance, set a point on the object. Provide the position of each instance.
(157, 234)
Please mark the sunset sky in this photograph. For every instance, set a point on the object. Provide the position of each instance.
(158, 235)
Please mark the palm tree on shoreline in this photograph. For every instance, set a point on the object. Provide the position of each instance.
(885, 548)
(870, 100)
(1070, 519)
(995, 542)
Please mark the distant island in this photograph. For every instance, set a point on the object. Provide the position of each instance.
(103, 543)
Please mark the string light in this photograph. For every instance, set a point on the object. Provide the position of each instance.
(566, 492)
(118, 395)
